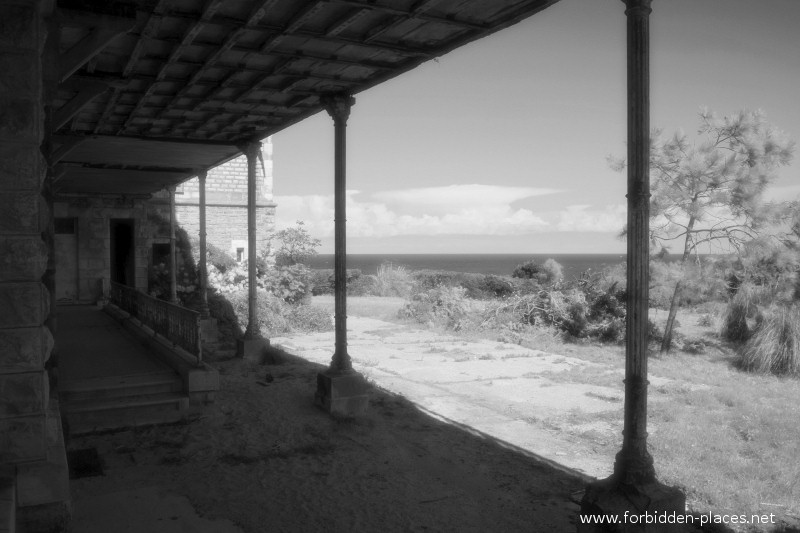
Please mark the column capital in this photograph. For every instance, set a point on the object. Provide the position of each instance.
(202, 174)
(338, 105)
(250, 148)
(638, 7)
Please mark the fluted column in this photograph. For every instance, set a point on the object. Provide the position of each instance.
(634, 463)
(633, 489)
(173, 263)
(338, 107)
(201, 178)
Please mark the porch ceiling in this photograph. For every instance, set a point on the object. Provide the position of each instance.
(150, 91)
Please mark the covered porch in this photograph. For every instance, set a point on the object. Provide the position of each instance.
(138, 97)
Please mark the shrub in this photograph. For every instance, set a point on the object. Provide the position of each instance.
(296, 245)
(218, 258)
(392, 280)
(292, 283)
(323, 281)
(742, 313)
(278, 317)
(775, 345)
(549, 273)
(442, 306)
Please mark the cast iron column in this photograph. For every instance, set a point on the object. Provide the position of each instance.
(201, 178)
(173, 263)
(634, 465)
(338, 107)
(251, 151)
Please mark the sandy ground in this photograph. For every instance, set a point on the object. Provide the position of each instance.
(460, 436)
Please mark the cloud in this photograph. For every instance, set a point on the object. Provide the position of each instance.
(453, 210)
(584, 218)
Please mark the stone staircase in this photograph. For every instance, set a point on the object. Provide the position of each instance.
(123, 401)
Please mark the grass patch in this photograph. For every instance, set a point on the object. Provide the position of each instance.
(381, 308)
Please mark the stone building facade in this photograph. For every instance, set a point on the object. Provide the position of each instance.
(226, 205)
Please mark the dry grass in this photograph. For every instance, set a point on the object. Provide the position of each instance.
(774, 348)
(378, 307)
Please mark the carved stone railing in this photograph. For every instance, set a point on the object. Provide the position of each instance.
(177, 324)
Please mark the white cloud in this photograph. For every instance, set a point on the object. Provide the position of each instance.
(453, 210)
(584, 218)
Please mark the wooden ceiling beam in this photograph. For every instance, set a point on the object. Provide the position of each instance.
(88, 92)
(209, 10)
(102, 30)
(416, 12)
(255, 16)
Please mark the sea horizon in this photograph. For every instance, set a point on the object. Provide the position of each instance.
(490, 263)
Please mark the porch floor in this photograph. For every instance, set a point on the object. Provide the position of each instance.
(91, 345)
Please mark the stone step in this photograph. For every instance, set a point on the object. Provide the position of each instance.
(119, 386)
(84, 416)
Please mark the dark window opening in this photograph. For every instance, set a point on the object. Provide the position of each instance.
(64, 226)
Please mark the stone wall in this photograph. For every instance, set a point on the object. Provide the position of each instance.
(25, 342)
(226, 204)
(92, 216)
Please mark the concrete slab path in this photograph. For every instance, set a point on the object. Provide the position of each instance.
(504, 390)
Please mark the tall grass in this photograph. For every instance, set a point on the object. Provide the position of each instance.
(775, 345)
(393, 280)
(742, 315)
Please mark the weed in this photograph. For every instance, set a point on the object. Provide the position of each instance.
(775, 345)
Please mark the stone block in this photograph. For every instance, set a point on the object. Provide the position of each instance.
(342, 394)
(18, 118)
(46, 482)
(25, 78)
(23, 394)
(252, 349)
(23, 304)
(8, 500)
(209, 330)
(633, 505)
(21, 167)
(18, 27)
(202, 379)
(24, 349)
(22, 439)
(22, 258)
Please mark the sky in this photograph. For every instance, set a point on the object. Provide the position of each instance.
(501, 145)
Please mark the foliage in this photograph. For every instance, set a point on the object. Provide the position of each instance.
(392, 280)
(323, 281)
(711, 192)
(278, 317)
(548, 273)
(220, 259)
(775, 345)
(291, 283)
(477, 286)
(441, 306)
(742, 313)
(296, 245)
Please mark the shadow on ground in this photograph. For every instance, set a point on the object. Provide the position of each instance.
(265, 458)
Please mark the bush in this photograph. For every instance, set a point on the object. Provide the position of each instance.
(278, 317)
(477, 286)
(742, 313)
(296, 245)
(291, 283)
(442, 306)
(392, 280)
(323, 281)
(549, 273)
(775, 345)
(221, 260)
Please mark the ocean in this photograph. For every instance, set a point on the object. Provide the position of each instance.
(498, 264)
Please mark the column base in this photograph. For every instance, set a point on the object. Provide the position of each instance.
(209, 330)
(252, 349)
(342, 394)
(648, 508)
